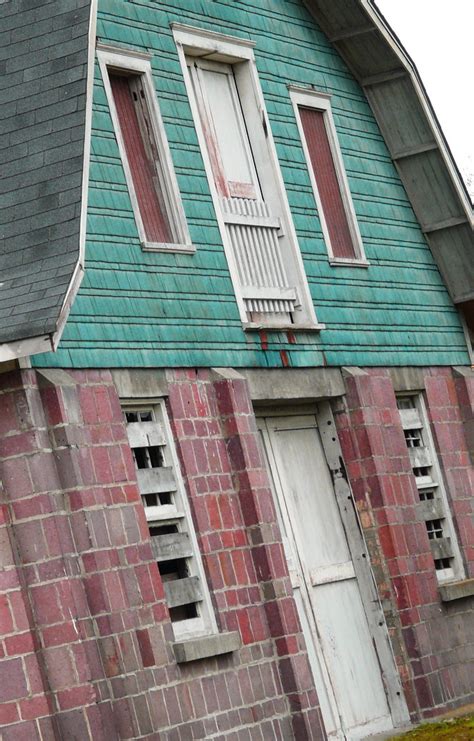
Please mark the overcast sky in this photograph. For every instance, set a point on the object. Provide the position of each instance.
(439, 37)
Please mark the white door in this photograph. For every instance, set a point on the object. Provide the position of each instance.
(350, 676)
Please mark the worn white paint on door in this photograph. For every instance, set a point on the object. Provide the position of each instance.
(349, 675)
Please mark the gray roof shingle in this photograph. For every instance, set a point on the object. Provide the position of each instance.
(44, 66)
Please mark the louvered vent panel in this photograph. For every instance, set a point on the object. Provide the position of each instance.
(254, 237)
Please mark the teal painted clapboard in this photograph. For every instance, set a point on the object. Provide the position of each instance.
(143, 309)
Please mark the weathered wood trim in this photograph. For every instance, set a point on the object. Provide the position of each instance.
(156, 480)
(361, 561)
(183, 591)
(349, 33)
(430, 509)
(413, 151)
(446, 224)
(441, 548)
(382, 77)
(171, 546)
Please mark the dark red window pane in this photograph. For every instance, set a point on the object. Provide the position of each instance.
(326, 179)
(139, 150)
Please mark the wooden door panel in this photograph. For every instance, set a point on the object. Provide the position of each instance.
(326, 589)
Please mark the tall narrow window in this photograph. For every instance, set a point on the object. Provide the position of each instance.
(328, 178)
(433, 507)
(142, 155)
(172, 534)
(144, 150)
(246, 183)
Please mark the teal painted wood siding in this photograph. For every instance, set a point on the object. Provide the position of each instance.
(144, 309)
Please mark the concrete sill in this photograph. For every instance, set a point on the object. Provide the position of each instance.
(457, 590)
(206, 646)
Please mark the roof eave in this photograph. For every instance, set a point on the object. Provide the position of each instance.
(411, 130)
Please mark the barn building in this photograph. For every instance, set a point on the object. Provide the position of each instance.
(236, 393)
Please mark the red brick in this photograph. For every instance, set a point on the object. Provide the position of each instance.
(13, 684)
(8, 713)
(21, 643)
(146, 649)
(34, 707)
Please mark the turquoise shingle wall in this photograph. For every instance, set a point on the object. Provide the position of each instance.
(143, 309)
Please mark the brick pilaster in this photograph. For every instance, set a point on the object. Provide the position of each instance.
(81, 558)
(239, 535)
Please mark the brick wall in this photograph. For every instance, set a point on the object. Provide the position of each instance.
(85, 634)
(433, 641)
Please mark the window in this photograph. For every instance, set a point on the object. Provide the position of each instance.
(144, 151)
(328, 177)
(173, 539)
(433, 506)
(245, 180)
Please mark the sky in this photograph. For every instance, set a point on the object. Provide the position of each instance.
(439, 37)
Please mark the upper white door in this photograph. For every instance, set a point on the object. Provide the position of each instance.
(346, 667)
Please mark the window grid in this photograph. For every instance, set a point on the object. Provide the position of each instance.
(170, 526)
(433, 508)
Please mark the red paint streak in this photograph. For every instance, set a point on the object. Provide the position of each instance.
(285, 361)
(263, 340)
(291, 338)
(325, 174)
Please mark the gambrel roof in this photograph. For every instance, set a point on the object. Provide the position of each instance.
(44, 110)
(45, 117)
(411, 130)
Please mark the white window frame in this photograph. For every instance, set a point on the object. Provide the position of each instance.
(457, 571)
(205, 624)
(322, 102)
(218, 47)
(139, 63)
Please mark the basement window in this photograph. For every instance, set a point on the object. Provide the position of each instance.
(433, 507)
(173, 539)
(328, 177)
(245, 180)
(144, 151)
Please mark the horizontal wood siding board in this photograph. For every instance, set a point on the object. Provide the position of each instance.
(160, 310)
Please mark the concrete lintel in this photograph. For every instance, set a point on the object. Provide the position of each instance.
(294, 384)
(353, 371)
(140, 383)
(408, 379)
(226, 374)
(457, 590)
(55, 377)
(206, 646)
(464, 371)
